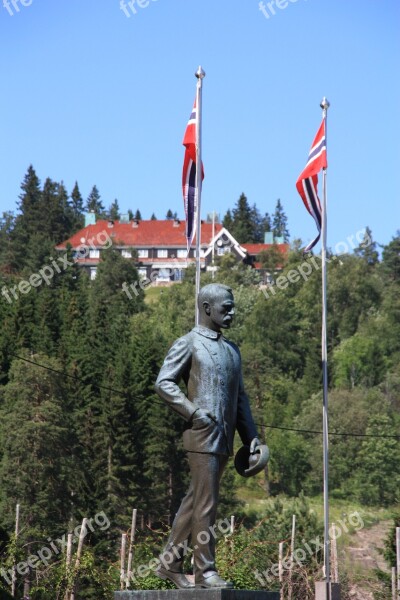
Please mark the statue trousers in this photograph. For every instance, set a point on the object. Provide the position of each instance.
(194, 521)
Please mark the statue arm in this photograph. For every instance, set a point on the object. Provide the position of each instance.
(176, 365)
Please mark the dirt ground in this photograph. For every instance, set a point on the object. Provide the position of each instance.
(362, 556)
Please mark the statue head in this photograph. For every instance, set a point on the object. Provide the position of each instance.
(216, 306)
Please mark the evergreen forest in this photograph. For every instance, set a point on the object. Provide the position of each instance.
(83, 433)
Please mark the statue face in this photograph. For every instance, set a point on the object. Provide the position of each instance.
(221, 311)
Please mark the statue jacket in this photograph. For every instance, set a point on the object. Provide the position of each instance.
(210, 366)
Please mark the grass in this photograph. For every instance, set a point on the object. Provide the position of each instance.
(349, 517)
(153, 294)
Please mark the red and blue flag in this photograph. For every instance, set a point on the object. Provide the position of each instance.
(189, 177)
(307, 182)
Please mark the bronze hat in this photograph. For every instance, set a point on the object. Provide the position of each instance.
(247, 464)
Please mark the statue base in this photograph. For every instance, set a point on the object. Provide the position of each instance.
(196, 594)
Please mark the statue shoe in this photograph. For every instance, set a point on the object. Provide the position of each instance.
(177, 579)
(211, 579)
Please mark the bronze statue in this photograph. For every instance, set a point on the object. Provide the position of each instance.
(214, 407)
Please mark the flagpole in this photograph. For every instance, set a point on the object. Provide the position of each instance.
(200, 74)
(325, 105)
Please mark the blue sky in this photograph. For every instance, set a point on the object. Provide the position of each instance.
(92, 95)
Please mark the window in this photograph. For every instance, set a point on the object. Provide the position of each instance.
(142, 271)
(178, 274)
(94, 253)
(164, 275)
(93, 273)
(162, 253)
(223, 250)
(126, 253)
(181, 253)
(143, 253)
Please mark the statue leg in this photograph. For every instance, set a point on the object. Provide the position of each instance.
(206, 471)
(179, 538)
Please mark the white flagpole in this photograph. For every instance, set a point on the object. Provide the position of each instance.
(200, 74)
(325, 105)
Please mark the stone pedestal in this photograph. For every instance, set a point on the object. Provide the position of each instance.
(320, 591)
(196, 594)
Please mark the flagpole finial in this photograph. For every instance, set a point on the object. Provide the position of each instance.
(200, 73)
(325, 104)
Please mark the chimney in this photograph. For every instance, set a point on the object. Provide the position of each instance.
(135, 223)
(176, 222)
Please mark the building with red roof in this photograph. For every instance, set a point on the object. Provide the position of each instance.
(157, 246)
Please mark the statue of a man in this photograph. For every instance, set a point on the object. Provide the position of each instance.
(214, 407)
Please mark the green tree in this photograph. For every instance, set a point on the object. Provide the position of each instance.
(367, 249)
(391, 258)
(113, 211)
(94, 203)
(77, 208)
(29, 221)
(34, 468)
(279, 222)
(242, 227)
(227, 221)
(377, 478)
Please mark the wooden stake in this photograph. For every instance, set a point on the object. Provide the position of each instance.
(68, 564)
(335, 573)
(82, 534)
(398, 559)
(291, 556)
(123, 552)
(232, 524)
(131, 542)
(14, 569)
(281, 569)
(69, 551)
(394, 593)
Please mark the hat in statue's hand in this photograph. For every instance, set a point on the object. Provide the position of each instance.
(247, 464)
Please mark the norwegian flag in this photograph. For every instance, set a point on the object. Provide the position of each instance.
(189, 178)
(308, 180)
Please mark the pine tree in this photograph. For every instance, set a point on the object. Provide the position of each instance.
(258, 226)
(391, 258)
(171, 215)
(30, 219)
(367, 249)
(227, 221)
(279, 223)
(153, 217)
(94, 203)
(113, 211)
(7, 252)
(77, 209)
(138, 216)
(267, 225)
(34, 467)
(242, 227)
